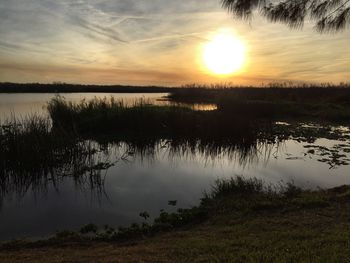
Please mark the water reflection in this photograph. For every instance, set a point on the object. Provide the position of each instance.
(80, 161)
(87, 162)
(111, 182)
(22, 104)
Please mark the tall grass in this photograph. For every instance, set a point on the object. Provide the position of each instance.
(314, 102)
(144, 127)
(278, 92)
(108, 116)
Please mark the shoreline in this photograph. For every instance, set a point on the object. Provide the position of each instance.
(240, 219)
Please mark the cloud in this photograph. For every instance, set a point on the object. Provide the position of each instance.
(132, 39)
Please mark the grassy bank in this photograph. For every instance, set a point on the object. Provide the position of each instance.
(238, 221)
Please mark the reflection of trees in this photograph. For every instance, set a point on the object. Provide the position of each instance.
(81, 161)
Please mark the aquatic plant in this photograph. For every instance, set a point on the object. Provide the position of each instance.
(107, 116)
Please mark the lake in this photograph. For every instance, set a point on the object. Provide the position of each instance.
(138, 180)
(22, 104)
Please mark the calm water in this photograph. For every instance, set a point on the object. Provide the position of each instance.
(145, 180)
(23, 104)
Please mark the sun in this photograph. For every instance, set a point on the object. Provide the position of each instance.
(224, 54)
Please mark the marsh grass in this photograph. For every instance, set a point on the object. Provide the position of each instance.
(145, 127)
(283, 92)
(33, 156)
(327, 102)
(107, 116)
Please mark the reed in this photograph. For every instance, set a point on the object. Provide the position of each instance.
(107, 116)
(326, 102)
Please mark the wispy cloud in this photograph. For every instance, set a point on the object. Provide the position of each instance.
(155, 41)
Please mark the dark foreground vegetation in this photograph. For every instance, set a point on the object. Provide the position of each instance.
(239, 220)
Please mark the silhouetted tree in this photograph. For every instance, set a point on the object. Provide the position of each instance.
(328, 15)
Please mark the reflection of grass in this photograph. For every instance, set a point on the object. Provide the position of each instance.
(33, 156)
(238, 221)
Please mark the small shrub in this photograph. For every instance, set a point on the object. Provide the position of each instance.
(89, 229)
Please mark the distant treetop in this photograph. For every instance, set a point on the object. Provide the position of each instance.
(327, 15)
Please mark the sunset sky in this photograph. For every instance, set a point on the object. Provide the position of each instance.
(143, 42)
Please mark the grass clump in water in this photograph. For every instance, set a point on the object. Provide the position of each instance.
(142, 120)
